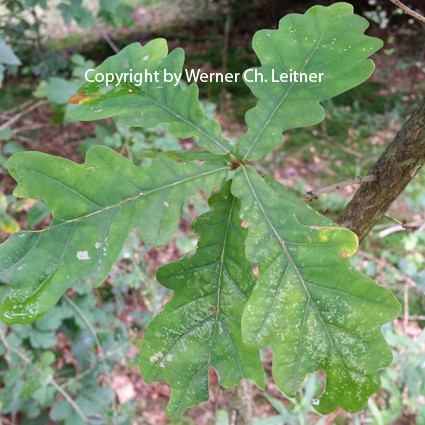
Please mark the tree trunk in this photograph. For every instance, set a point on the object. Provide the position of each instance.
(396, 167)
(238, 401)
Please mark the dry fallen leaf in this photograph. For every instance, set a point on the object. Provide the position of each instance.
(123, 388)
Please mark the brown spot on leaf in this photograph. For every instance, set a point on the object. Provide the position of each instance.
(166, 204)
(75, 100)
(343, 254)
(81, 97)
(245, 224)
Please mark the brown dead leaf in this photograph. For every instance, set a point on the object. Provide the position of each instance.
(123, 388)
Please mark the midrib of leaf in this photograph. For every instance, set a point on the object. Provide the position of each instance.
(131, 199)
(217, 315)
(100, 211)
(220, 275)
(309, 299)
(190, 123)
(105, 233)
(273, 112)
(208, 318)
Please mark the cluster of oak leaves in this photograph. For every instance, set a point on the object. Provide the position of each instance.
(308, 302)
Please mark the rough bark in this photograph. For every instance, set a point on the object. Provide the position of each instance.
(238, 400)
(394, 170)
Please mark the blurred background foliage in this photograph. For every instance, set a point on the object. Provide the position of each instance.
(79, 363)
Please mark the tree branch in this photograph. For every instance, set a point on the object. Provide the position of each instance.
(239, 406)
(394, 229)
(397, 166)
(22, 113)
(309, 196)
(414, 317)
(108, 39)
(409, 11)
(400, 226)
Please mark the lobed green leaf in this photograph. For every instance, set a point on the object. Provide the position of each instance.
(152, 102)
(309, 303)
(326, 40)
(95, 205)
(200, 326)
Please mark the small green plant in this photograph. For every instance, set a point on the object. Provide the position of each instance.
(38, 363)
(7, 57)
(308, 302)
(23, 24)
